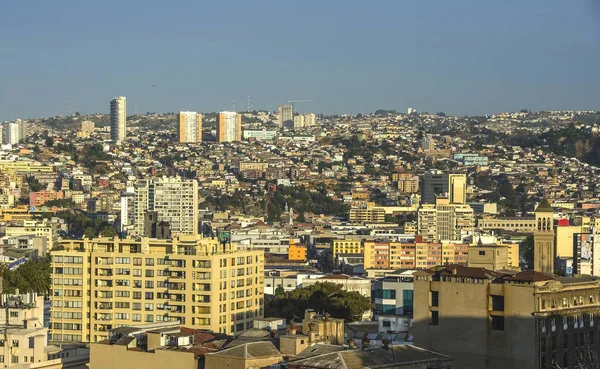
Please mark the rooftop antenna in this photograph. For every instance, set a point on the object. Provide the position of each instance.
(249, 103)
(233, 104)
(70, 105)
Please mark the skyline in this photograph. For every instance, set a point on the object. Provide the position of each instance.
(464, 58)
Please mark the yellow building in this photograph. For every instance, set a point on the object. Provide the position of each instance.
(349, 245)
(102, 283)
(486, 319)
(565, 239)
(296, 252)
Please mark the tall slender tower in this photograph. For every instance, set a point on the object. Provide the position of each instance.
(190, 127)
(229, 127)
(118, 116)
(543, 245)
(286, 114)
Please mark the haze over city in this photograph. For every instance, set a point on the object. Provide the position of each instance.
(300, 184)
(461, 57)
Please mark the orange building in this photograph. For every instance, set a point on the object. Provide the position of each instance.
(296, 252)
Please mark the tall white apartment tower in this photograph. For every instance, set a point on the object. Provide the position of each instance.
(286, 114)
(190, 127)
(229, 127)
(174, 200)
(118, 116)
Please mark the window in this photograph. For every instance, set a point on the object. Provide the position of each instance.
(434, 318)
(497, 323)
(150, 262)
(565, 342)
(1, 358)
(15, 343)
(149, 296)
(387, 324)
(497, 303)
(434, 296)
(481, 253)
(591, 338)
(14, 359)
(14, 314)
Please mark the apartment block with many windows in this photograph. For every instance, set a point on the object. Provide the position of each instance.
(102, 283)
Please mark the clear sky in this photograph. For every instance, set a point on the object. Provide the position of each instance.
(348, 56)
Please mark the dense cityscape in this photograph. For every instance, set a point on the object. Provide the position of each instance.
(273, 239)
(300, 184)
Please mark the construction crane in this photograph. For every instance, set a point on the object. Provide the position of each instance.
(296, 101)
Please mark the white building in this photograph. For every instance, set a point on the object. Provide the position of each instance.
(229, 127)
(299, 121)
(175, 200)
(190, 127)
(285, 114)
(118, 116)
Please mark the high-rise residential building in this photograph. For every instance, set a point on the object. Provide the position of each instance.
(299, 121)
(87, 127)
(285, 115)
(309, 119)
(543, 236)
(11, 133)
(407, 182)
(118, 117)
(444, 221)
(229, 127)
(507, 319)
(174, 200)
(103, 283)
(437, 183)
(190, 127)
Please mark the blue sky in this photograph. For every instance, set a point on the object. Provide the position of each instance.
(459, 56)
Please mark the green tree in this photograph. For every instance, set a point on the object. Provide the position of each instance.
(328, 297)
(49, 142)
(32, 276)
(279, 292)
(90, 232)
(526, 250)
(108, 231)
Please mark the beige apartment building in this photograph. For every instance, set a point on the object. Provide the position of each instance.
(103, 283)
(444, 221)
(369, 215)
(515, 224)
(486, 319)
(407, 182)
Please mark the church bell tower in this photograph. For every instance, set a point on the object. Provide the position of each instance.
(543, 246)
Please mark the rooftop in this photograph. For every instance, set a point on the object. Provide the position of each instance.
(373, 358)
